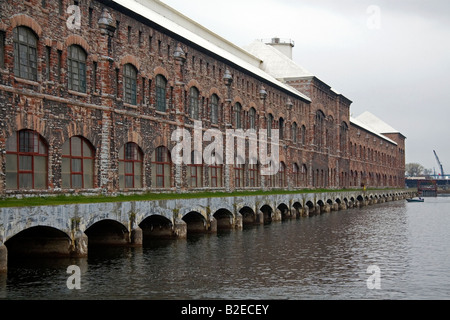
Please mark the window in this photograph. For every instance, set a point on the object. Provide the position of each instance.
(318, 129)
(252, 118)
(269, 125)
(343, 138)
(281, 128)
(161, 168)
(25, 53)
(94, 76)
(237, 115)
(239, 173)
(61, 7)
(303, 135)
(214, 109)
(26, 161)
(77, 69)
(215, 172)
(58, 66)
(77, 168)
(90, 16)
(130, 166)
(304, 175)
(2, 49)
(282, 175)
(194, 103)
(161, 84)
(129, 34)
(130, 84)
(196, 170)
(296, 175)
(47, 62)
(294, 132)
(253, 175)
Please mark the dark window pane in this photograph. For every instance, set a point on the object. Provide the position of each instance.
(25, 53)
(129, 82)
(77, 69)
(161, 85)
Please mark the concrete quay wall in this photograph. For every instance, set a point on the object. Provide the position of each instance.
(68, 230)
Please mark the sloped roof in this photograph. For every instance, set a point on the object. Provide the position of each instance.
(368, 127)
(179, 24)
(275, 62)
(376, 123)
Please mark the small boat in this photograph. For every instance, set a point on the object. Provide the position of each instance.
(415, 200)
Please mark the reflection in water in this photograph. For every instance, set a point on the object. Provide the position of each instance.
(322, 257)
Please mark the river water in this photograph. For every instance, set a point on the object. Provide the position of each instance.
(323, 257)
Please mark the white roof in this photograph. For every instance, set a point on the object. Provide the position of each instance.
(179, 24)
(376, 123)
(369, 128)
(275, 62)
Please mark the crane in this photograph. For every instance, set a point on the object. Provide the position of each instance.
(440, 164)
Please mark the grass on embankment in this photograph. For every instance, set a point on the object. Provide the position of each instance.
(79, 199)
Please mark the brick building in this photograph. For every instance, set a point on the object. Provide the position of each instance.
(92, 90)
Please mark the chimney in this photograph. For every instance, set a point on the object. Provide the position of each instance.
(283, 45)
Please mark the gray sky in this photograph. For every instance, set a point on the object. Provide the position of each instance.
(390, 57)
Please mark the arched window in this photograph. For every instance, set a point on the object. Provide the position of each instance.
(319, 128)
(281, 128)
(26, 161)
(130, 84)
(214, 109)
(76, 67)
(303, 135)
(161, 93)
(161, 168)
(130, 166)
(238, 115)
(269, 125)
(282, 175)
(343, 138)
(25, 53)
(196, 170)
(294, 132)
(215, 171)
(304, 175)
(77, 169)
(252, 118)
(296, 175)
(194, 105)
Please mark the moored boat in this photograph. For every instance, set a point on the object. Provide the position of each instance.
(415, 200)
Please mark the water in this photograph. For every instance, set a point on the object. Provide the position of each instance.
(322, 257)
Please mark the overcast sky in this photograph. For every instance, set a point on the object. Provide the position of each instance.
(390, 57)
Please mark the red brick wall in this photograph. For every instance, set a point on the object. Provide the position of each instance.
(101, 115)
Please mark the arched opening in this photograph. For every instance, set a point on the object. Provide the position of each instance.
(156, 227)
(298, 209)
(312, 207)
(224, 219)
(321, 205)
(195, 222)
(267, 213)
(107, 233)
(248, 216)
(39, 242)
(285, 213)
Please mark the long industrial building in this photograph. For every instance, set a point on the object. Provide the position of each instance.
(91, 92)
